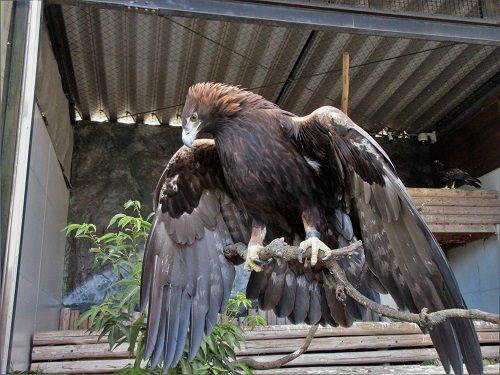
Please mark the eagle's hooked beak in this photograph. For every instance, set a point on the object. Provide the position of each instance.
(190, 132)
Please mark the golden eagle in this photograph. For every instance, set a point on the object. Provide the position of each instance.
(318, 180)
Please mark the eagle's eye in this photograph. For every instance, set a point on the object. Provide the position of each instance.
(193, 117)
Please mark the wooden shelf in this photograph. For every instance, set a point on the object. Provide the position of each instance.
(458, 216)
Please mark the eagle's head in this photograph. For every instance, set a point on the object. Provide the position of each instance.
(437, 165)
(209, 106)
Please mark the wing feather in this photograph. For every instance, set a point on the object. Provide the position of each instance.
(400, 250)
(186, 280)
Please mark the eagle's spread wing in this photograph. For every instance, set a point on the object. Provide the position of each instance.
(185, 275)
(400, 249)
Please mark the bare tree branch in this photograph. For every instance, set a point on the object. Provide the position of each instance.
(281, 250)
(424, 319)
(283, 360)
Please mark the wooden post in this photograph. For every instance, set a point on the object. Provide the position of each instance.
(65, 316)
(345, 82)
(73, 318)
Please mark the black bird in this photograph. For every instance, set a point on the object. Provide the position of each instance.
(454, 177)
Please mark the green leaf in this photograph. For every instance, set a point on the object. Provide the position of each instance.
(230, 352)
(131, 292)
(204, 368)
(185, 367)
(203, 346)
(124, 221)
(83, 228)
(230, 339)
(82, 317)
(135, 329)
(71, 227)
(125, 330)
(107, 237)
(131, 203)
(113, 336)
(114, 219)
(212, 343)
(244, 367)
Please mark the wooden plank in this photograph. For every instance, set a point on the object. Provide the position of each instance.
(84, 325)
(82, 367)
(454, 210)
(460, 238)
(64, 320)
(271, 317)
(309, 360)
(422, 192)
(331, 344)
(68, 332)
(66, 337)
(345, 343)
(461, 219)
(135, 316)
(89, 367)
(464, 228)
(369, 357)
(85, 351)
(448, 201)
(372, 370)
(357, 329)
(263, 333)
(263, 314)
(73, 317)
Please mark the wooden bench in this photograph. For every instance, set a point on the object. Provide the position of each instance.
(374, 347)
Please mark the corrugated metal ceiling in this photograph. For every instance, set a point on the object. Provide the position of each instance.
(125, 62)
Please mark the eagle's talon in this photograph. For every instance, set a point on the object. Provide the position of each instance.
(299, 255)
(316, 245)
(260, 262)
(252, 262)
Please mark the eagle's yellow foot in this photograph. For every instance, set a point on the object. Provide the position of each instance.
(313, 242)
(253, 258)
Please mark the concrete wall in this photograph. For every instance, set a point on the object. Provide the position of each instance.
(477, 264)
(112, 163)
(42, 256)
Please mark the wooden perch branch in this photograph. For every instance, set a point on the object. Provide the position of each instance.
(279, 249)
(424, 318)
(283, 360)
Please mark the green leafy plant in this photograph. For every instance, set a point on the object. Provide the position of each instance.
(117, 319)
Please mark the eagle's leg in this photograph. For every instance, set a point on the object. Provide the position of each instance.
(311, 219)
(254, 247)
(312, 241)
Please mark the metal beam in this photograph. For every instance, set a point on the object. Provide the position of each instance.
(321, 16)
(27, 21)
